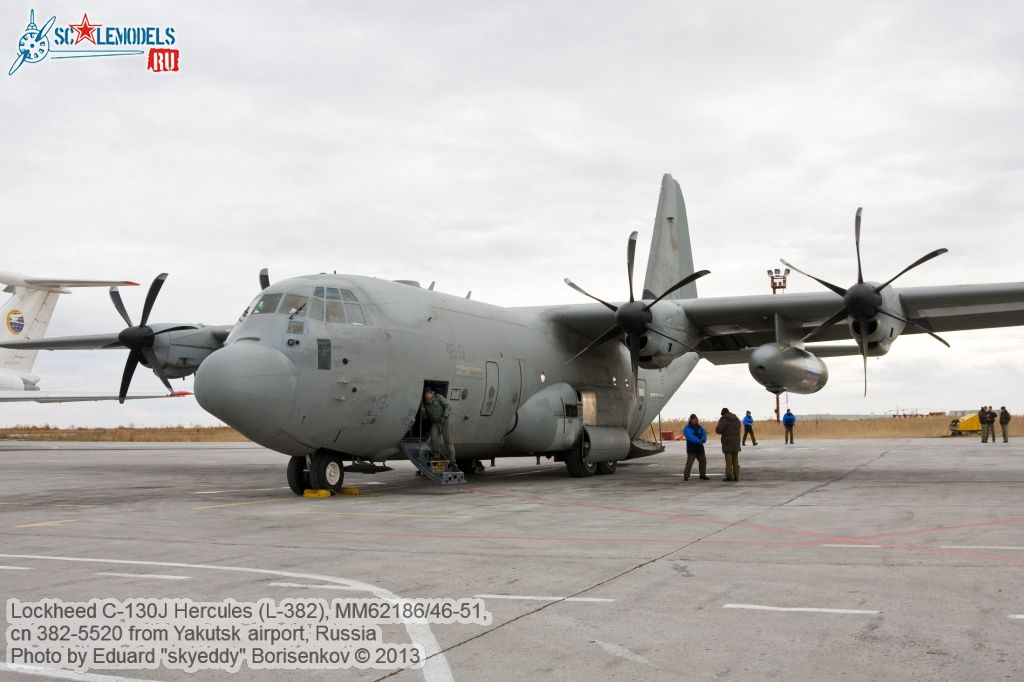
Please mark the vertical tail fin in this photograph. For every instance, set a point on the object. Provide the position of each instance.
(27, 313)
(671, 258)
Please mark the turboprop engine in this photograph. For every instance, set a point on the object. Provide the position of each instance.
(786, 368)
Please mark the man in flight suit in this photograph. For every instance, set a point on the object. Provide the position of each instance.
(438, 410)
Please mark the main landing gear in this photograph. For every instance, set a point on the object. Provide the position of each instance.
(578, 466)
(319, 471)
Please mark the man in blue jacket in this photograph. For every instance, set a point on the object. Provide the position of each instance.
(789, 421)
(695, 436)
(748, 428)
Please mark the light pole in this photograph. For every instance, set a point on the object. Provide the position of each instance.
(778, 281)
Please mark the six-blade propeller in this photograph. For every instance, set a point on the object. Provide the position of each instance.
(863, 302)
(634, 319)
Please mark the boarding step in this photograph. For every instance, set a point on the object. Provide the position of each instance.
(436, 469)
(642, 448)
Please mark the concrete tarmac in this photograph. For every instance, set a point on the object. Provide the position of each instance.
(856, 559)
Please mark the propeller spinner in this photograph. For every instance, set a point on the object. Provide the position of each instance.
(863, 301)
(634, 319)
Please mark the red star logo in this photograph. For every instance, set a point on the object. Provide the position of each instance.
(85, 30)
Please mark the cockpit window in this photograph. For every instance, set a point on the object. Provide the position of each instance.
(316, 308)
(267, 304)
(295, 305)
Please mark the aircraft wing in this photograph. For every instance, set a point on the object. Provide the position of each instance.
(731, 327)
(69, 342)
(59, 397)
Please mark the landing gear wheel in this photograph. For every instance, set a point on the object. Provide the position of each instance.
(327, 472)
(575, 460)
(606, 468)
(470, 466)
(298, 475)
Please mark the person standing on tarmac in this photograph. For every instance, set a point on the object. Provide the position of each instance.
(748, 428)
(729, 429)
(438, 410)
(695, 436)
(987, 421)
(1004, 424)
(789, 421)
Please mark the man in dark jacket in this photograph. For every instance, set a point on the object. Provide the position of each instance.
(729, 429)
(1004, 424)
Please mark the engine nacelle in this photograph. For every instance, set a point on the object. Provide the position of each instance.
(659, 352)
(549, 421)
(881, 329)
(785, 368)
(180, 352)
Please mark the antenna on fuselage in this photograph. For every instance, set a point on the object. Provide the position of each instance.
(468, 294)
(431, 287)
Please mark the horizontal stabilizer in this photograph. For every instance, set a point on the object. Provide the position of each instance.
(67, 343)
(58, 284)
(67, 397)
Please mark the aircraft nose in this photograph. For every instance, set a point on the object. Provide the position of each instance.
(248, 386)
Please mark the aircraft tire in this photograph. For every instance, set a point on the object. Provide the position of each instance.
(575, 460)
(327, 472)
(298, 475)
(606, 468)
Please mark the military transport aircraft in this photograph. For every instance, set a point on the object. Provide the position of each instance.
(331, 368)
(26, 314)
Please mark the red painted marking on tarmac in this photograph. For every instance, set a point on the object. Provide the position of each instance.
(939, 529)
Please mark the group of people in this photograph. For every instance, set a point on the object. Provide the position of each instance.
(728, 428)
(988, 418)
(696, 435)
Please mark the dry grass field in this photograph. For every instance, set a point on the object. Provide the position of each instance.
(184, 434)
(910, 427)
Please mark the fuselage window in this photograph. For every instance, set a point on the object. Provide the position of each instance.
(323, 353)
(267, 304)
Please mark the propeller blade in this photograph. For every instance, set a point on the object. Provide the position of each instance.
(681, 283)
(154, 289)
(175, 329)
(18, 61)
(919, 261)
(126, 377)
(862, 324)
(827, 323)
(635, 342)
(689, 348)
(154, 364)
(607, 305)
(607, 336)
(630, 255)
(115, 296)
(856, 242)
(46, 28)
(918, 327)
(827, 285)
(264, 278)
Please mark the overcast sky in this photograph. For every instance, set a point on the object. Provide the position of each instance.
(499, 147)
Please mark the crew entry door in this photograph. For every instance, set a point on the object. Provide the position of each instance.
(490, 389)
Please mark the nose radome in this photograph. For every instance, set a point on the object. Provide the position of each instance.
(248, 386)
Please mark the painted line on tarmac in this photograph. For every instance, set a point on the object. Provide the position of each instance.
(1017, 616)
(978, 547)
(238, 490)
(387, 515)
(55, 673)
(43, 524)
(314, 587)
(853, 546)
(524, 597)
(154, 576)
(15, 568)
(435, 666)
(792, 609)
(235, 504)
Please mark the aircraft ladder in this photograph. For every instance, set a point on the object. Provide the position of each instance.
(435, 469)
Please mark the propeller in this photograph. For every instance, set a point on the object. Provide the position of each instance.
(139, 338)
(634, 319)
(863, 301)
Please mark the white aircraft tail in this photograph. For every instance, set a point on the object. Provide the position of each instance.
(671, 258)
(28, 311)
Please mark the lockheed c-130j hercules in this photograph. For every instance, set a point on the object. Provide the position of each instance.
(331, 369)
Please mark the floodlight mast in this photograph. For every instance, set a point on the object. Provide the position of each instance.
(778, 283)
